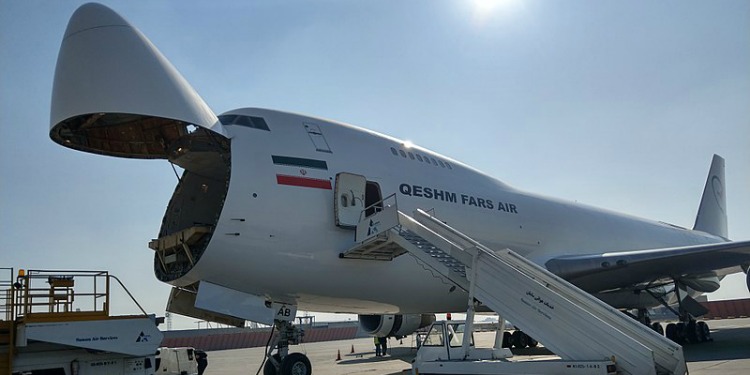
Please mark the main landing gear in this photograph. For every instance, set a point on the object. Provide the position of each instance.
(687, 330)
(283, 362)
(646, 320)
(519, 340)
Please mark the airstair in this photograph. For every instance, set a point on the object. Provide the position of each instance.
(569, 322)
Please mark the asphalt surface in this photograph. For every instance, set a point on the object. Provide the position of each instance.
(728, 354)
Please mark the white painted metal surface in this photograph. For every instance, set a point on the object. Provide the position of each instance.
(349, 199)
(377, 224)
(587, 309)
(177, 361)
(105, 65)
(234, 303)
(136, 336)
(570, 322)
(84, 362)
(441, 353)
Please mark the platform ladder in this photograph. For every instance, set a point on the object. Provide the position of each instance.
(7, 321)
(571, 323)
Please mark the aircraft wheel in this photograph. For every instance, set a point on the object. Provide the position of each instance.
(519, 340)
(295, 364)
(531, 341)
(704, 333)
(672, 332)
(691, 332)
(507, 340)
(269, 368)
(680, 333)
(657, 327)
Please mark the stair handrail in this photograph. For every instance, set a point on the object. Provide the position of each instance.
(537, 272)
(129, 294)
(378, 206)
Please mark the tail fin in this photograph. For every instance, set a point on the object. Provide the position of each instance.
(712, 214)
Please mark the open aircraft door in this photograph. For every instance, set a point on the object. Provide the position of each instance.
(349, 199)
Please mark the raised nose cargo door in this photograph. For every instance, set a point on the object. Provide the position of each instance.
(115, 94)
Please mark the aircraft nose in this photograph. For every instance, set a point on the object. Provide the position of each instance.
(93, 15)
(115, 94)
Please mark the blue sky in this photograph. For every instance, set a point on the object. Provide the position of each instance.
(618, 104)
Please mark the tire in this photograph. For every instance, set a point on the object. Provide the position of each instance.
(507, 340)
(680, 333)
(519, 340)
(657, 327)
(531, 342)
(691, 332)
(704, 333)
(671, 332)
(269, 368)
(296, 364)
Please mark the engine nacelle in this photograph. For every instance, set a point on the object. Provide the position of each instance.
(747, 280)
(394, 325)
(706, 283)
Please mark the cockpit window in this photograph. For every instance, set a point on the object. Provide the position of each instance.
(248, 121)
(227, 119)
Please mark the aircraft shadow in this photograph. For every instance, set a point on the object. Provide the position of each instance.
(729, 343)
(539, 350)
(404, 354)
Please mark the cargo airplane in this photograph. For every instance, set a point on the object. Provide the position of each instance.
(268, 200)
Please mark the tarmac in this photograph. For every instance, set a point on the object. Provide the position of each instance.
(728, 354)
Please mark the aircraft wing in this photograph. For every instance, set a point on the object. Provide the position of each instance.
(602, 272)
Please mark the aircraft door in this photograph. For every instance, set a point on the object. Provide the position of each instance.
(349, 199)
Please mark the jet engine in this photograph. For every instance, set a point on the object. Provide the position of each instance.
(394, 325)
(705, 283)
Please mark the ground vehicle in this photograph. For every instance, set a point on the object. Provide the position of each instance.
(59, 322)
(176, 361)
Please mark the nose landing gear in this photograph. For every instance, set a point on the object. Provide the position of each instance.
(283, 362)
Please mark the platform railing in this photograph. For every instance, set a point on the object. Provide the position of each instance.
(52, 294)
(6, 293)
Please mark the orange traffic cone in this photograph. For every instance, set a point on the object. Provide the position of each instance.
(338, 357)
(352, 352)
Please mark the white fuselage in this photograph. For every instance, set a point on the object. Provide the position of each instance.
(281, 241)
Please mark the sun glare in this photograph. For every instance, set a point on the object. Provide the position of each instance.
(484, 9)
(484, 6)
